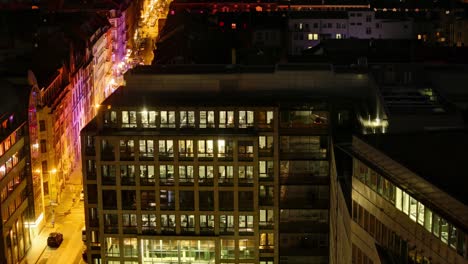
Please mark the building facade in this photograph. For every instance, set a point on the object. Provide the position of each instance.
(172, 179)
(402, 215)
(15, 175)
(309, 28)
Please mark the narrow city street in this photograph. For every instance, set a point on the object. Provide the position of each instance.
(69, 220)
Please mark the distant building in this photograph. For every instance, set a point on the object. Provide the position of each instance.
(307, 29)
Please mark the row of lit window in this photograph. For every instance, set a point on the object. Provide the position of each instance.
(150, 223)
(180, 251)
(186, 173)
(385, 236)
(11, 186)
(10, 140)
(214, 119)
(221, 148)
(414, 209)
(188, 147)
(188, 119)
(9, 164)
(8, 211)
(297, 169)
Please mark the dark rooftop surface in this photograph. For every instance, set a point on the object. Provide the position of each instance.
(126, 97)
(438, 157)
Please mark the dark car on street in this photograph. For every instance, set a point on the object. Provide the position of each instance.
(54, 239)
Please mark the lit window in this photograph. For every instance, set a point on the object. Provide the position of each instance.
(187, 119)
(148, 118)
(207, 119)
(146, 148)
(267, 241)
(185, 148)
(166, 148)
(205, 148)
(338, 36)
(168, 119)
(129, 119)
(419, 36)
(246, 119)
(226, 119)
(185, 174)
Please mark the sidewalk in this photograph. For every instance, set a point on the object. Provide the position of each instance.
(72, 190)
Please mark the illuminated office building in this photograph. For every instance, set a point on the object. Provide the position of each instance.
(235, 171)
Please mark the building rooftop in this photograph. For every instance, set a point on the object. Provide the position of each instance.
(438, 157)
(430, 166)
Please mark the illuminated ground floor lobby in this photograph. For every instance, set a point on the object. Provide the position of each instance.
(174, 250)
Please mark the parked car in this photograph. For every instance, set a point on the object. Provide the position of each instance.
(54, 239)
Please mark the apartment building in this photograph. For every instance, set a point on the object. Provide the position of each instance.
(307, 29)
(408, 200)
(242, 176)
(16, 199)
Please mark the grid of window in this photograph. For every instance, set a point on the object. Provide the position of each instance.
(414, 209)
(190, 118)
(157, 205)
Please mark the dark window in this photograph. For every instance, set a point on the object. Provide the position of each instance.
(43, 146)
(148, 200)
(111, 223)
(42, 125)
(206, 201)
(45, 168)
(92, 193)
(245, 201)
(186, 200)
(128, 200)
(226, 201)
(109, 199)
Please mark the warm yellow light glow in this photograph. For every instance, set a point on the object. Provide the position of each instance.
(35, 145)
(53, 171)
(374, 124)
(97, 105)
(35, 223)
(37, 171)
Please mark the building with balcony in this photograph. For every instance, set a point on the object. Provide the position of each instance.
(16, 199)
(217, 164)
